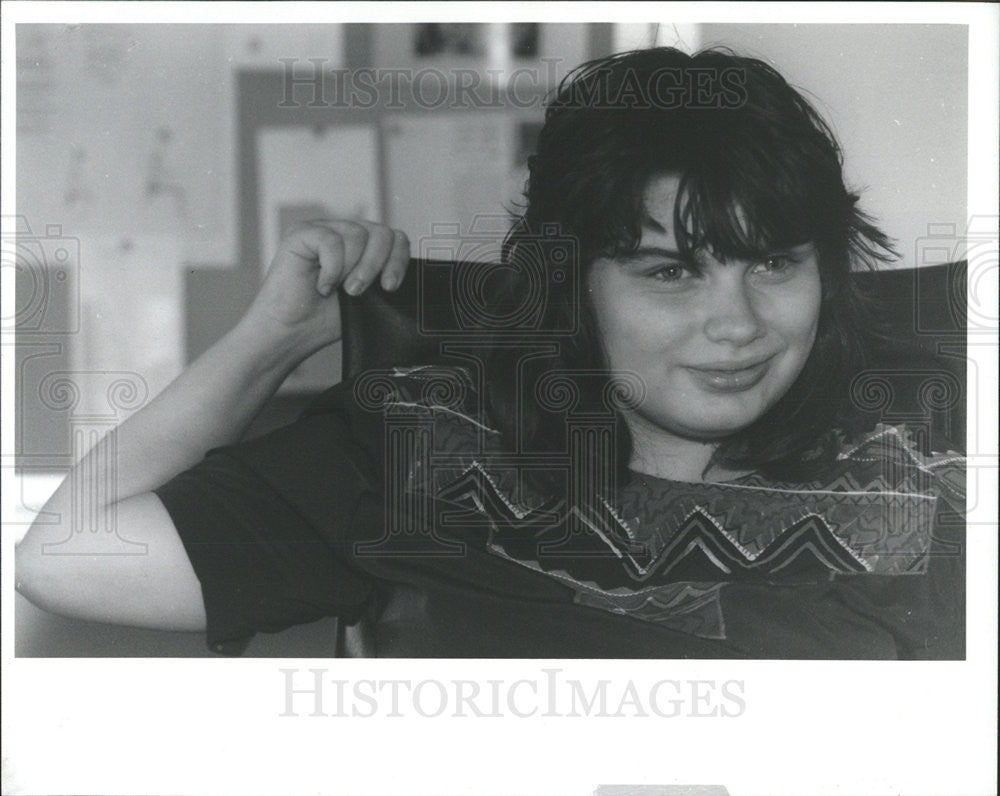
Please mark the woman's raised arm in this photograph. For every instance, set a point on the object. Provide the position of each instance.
(211, 403)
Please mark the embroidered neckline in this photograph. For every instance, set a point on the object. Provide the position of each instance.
(661, 550)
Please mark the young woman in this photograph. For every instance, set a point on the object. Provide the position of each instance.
(679, 476)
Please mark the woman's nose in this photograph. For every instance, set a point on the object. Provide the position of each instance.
(732, 317)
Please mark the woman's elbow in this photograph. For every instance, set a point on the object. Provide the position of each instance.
(156, 589)
(33, 579)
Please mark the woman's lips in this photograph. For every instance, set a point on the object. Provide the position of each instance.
(731, 377)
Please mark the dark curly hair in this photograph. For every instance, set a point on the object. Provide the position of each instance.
(758, 168)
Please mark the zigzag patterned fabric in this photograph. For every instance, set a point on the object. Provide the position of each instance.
(661, 551)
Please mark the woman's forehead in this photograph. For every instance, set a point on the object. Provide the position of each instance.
(660, 196)
(659, 199)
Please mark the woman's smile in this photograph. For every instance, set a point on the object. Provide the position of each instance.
(732, 376)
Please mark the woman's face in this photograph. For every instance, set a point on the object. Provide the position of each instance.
(716, 343)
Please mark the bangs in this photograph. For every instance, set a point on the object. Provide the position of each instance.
(748, 189)
(740, 221)
(758, 173)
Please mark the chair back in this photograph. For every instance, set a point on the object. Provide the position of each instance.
(915, 374)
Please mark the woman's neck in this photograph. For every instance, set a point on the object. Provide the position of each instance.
(661, 454)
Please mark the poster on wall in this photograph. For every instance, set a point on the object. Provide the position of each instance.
(95, 153)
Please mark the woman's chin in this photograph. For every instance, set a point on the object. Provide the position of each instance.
(709, 434)
(713, 426)
(706, 430)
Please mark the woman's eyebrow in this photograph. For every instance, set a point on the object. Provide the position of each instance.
(645, 252)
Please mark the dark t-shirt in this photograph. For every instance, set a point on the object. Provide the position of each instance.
(392, 499)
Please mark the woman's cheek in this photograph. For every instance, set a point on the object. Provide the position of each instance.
(794, 312)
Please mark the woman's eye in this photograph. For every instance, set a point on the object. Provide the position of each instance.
(774, 264)
(671, 273)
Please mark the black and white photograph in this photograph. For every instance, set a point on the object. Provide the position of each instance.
(412, 385)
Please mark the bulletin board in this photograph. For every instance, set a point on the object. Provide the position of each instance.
(116, 125)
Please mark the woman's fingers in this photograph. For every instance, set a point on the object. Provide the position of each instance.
(385, 257)
(338, 245)
(399, 260)
(332, 253)
(352, 253)
(372, 261)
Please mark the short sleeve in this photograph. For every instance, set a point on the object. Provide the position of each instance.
(267, 526)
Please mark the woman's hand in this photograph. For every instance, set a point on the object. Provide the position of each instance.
(209, 405)
(299, 296)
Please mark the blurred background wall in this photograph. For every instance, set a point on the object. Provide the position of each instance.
(157, 164)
